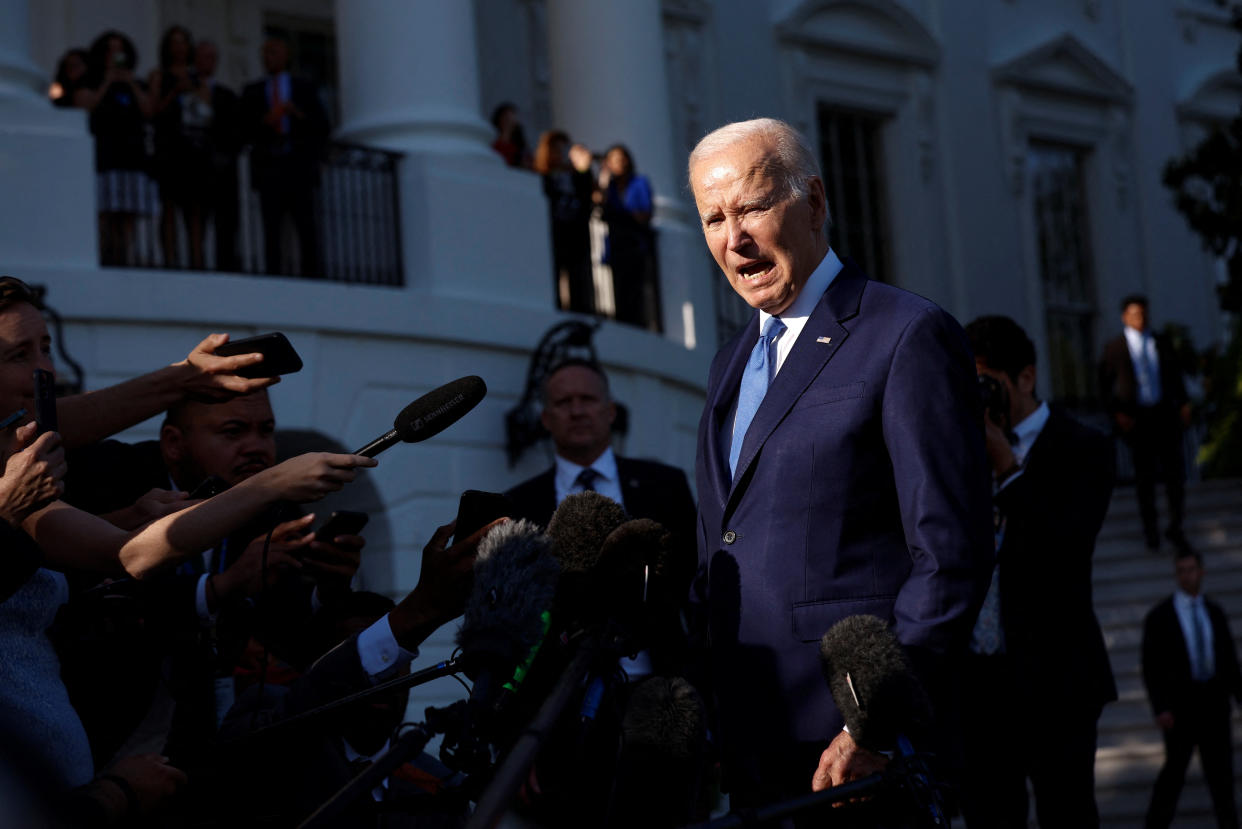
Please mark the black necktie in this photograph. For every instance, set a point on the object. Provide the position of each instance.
(586, 479)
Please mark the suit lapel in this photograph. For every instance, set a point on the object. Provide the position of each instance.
(631, 491)
(804, 363)
(547, 495)
(720, 404)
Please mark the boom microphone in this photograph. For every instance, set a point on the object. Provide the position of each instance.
(579, 528)
(514, 583)
(629, 581)
(872, 684)
(662, 758)
(430, 414)
(506, 620)
(884, 705)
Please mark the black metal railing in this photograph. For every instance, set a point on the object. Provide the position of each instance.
(356, 236)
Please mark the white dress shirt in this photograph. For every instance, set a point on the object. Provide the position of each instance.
(796, 315)
(988, 637)
(1142, 348)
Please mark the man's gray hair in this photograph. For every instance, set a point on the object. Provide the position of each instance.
(794, 162)
(793, 153)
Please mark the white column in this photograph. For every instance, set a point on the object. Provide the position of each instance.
(606, 62)
(18, 74)
(471, 227)
(47, 214)
(609, 86)
(409, 78)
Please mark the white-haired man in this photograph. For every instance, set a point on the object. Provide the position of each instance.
(841, 468)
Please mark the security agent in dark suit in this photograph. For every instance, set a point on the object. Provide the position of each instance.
(578, 413)
(287, 129)
(1038, 664)
(840, 469)
(1143, 391)
(1190, 668)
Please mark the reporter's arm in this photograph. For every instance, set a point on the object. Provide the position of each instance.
(94, 415)
(73, 538)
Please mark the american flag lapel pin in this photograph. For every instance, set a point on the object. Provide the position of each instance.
(824, 340)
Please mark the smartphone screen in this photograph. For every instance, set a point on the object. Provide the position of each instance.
(478, 509)
(45, 401)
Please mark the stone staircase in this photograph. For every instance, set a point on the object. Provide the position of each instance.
(1129, 580)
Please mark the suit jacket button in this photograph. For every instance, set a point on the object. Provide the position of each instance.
(729, 537)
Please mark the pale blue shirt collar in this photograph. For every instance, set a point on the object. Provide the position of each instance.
(1184, 599)
(1028, 429)
(608, 483)
(1136, 339)
(799, 311)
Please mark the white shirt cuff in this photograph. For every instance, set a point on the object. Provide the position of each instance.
(379, 652)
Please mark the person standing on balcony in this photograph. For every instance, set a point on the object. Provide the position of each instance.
(1190, 668)
(1144, 393)
(627, 201)
(223, 142)
(71, 75)
(568, 184)
(119, 108)
(287, 129)
(182, 115)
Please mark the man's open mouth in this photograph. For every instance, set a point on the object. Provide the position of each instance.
(755, 271)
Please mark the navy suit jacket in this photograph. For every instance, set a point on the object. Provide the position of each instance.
(862, 487)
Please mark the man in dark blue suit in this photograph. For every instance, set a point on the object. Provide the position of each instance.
(841, 469)
(287, 128)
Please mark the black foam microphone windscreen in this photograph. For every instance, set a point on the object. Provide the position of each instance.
(632, 568)
(430, 414)
(872, 683)
(662, 757)
(515, 577)
(579, 528)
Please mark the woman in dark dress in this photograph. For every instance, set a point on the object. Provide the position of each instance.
(181, 104)
(119, 107)
(627, 201)
(568, 185)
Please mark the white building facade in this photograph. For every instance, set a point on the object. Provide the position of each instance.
(997, 156)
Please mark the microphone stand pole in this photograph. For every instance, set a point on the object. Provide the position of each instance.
(516, 766)
(407, 745)
(748, 818)
(440, 669)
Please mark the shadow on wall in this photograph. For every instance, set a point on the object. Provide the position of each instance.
(362, 495)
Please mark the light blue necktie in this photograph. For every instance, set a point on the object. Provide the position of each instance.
(1199, 671)
(754, 386)
(1149, 368)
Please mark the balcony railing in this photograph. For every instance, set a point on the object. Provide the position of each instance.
(357, 221)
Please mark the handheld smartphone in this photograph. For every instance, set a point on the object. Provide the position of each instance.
(341, 522)
(278, 355)
(211, 485)
(477, 509)
(45, 401)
